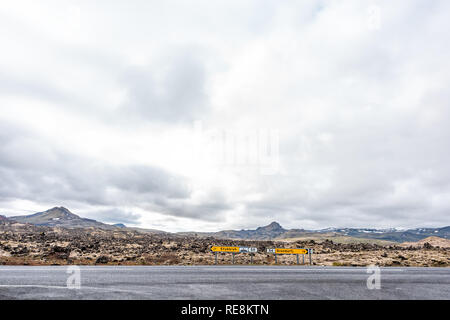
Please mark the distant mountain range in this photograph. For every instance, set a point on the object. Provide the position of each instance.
(274, 231)
(269, 232)
(62, 217)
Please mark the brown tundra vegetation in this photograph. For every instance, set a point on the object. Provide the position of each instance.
(24, 244)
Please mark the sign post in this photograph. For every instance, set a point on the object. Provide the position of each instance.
(297, 252)
(225, 249)
(233, 251)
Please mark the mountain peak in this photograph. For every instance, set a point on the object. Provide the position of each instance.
(59, 212)
(60, 209)
(273, 226)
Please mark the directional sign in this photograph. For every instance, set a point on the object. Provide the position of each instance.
(288, 251)
(248, 249)
(225, 249)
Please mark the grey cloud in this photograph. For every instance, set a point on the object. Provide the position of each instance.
(28, 170)
(172, 90)
(145, 179)
(212, 209)
(115, 215)
(37, 169)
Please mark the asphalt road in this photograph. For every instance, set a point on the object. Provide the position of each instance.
(222, 282)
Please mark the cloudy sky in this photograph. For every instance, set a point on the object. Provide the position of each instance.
(209, 115)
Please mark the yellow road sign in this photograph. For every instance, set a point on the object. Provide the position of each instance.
(291, 251)
(225, 249)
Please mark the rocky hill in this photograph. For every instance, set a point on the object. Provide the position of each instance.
(427, 242)
(3, 219)
(60, 217)
(271, 231)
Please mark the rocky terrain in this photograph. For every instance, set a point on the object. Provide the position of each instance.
(430, 241)
(27, 244)
(59, 237)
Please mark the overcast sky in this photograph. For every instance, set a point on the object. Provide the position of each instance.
(209, 115)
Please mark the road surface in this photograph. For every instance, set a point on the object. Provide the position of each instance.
(222, 282)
